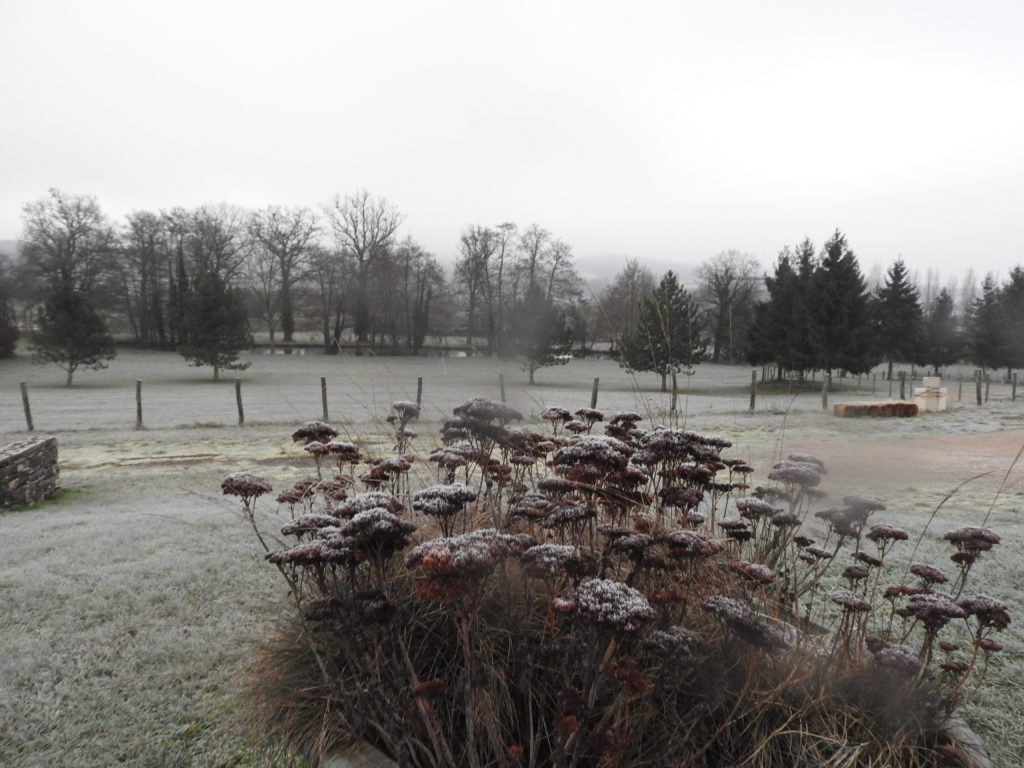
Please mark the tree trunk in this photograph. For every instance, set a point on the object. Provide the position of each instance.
(889, 374)
(664, 381)
(216, 372)
(532, 369)
(71, 372)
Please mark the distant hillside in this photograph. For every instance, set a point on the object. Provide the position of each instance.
(599, 271)
(9, 247)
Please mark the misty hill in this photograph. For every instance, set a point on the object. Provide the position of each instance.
(598, 271)
(9, 247)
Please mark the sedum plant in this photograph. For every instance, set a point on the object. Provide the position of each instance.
(566, 597)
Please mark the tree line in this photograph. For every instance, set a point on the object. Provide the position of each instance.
(200, 280)
(819, 314)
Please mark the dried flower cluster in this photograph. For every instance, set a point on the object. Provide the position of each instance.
(595, 573)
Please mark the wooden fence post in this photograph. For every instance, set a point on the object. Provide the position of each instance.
(238, 400)
(419, 390)
(874, 382)
(138, 404)
(977, 385)
(960, 388)
(28, 408)
(988, 383)
(826, 378)
(593, 393)
(753, 388)
(890, 387)
(1013, 388)
(501, 386)
(675, 393)
(903, 385)
(323, 395)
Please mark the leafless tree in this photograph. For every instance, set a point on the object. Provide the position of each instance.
(618, 311)
(263, 276)
(141, 269)
(421, 279)
(330, 272)
(729, 284)
(68, 241)
(564, 283)
(364, 227)
(477, 246)
(533, 250)
(286, 234)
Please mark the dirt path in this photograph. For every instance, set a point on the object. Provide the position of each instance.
(892, 463)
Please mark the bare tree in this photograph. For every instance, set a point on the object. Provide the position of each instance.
(421, 279)
(143, 245)
(505, 235)
(364, 227)
(618, 312)
(533, 250)
(68, 241)
(472, 273)
(263, 275)
(286, 234)
(564, 282)
(729, 283)
(330, 271)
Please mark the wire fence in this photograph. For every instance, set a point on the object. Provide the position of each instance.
(288, 390)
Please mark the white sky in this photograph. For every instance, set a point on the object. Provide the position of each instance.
(663, 131)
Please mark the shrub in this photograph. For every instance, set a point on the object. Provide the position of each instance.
(589, 600)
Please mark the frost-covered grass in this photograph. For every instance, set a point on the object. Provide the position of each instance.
(130, 606)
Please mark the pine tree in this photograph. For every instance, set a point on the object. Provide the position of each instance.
(216, 326)
(841, 330)
(71, 334)
(1012, 300)
(8, 317)
(669, 336)
(539, 333)
(782, 324)
(944, 344)
(987, 337)
(900, 322)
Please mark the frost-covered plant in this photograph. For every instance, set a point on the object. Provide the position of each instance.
(585, 600)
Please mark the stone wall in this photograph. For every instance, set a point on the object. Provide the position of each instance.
(28, 472)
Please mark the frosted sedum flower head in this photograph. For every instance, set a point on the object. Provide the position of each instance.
(406, 408)
(442, 500)
(611, 604)
(245, 484)
(469, 554)
(314, 430)
(601, 450)
(368, 500)
(547, 560)
(481, 409)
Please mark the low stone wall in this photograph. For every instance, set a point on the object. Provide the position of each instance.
(28, 472)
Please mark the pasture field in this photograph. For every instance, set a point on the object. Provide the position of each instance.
(131, 604)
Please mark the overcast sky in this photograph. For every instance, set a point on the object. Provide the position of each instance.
(665, 131)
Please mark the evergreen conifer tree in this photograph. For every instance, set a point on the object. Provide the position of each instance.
(944, 343)
(841, 330)
(1012, 300)
(216, 326)
(900, 320)
(669, 336)
(71, 334)
(987, 332)
(539, 333)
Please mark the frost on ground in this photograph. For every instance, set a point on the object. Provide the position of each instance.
(130, 604)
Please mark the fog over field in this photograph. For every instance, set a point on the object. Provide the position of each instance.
(142, 587)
